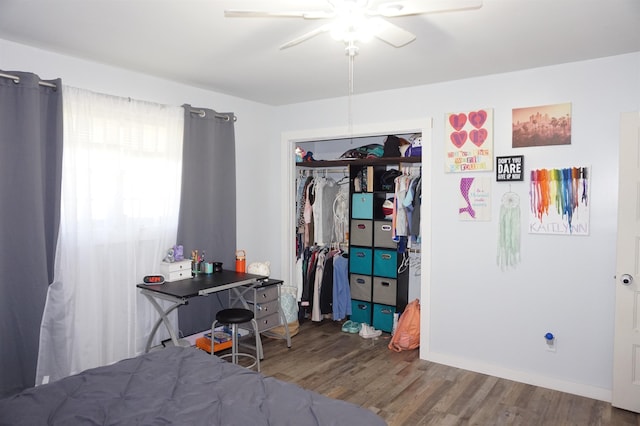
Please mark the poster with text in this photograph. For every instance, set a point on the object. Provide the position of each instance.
(510, 168)
(469, 141)
(560, 201)
(475, 199)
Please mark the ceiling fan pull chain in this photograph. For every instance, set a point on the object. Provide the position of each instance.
(351, 51)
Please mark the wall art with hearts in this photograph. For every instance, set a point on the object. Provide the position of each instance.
(469, 141)
(559, 201)
(475, 199)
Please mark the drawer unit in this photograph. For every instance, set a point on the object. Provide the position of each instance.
(263, 309)
(385, 263)
(264, 301)
(360, 260)
(382, 233)
(360, 286)
(361, 232)
(262, 294)
(362, 205)
(383, 317)
(384, 290)
(361, 311)
(175, 271)
(268, 322)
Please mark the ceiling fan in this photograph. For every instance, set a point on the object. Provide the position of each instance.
(352, 21)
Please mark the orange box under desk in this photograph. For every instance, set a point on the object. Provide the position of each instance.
(204, 343)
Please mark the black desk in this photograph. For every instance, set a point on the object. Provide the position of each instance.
(179, 293)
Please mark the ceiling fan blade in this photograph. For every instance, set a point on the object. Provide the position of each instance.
(306, 36)
(419, 7)
(391, 33)
(309, 14)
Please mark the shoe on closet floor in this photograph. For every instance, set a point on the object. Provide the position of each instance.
(351, 327)
(368, 332)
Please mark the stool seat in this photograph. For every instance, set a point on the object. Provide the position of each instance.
(234, 315)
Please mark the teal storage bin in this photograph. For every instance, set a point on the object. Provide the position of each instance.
(362, 205)
(361, 311)
(360, 260)
(385, 263)
(383, 317)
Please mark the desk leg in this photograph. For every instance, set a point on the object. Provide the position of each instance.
(163, 319)
(283, 319)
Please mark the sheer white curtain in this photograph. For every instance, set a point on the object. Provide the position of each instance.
(121, 181)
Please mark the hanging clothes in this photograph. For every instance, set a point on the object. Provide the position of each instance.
(341, 215)
(341, 290)
(322, 223)
(326, 190)
(416, 209)
(301, 201)
(317, 285)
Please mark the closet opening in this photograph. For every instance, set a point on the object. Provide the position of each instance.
(324, 149)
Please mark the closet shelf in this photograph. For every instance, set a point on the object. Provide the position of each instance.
(358, 162)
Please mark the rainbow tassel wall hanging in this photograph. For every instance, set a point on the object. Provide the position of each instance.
(559, 201)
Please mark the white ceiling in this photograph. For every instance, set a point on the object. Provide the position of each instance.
(192, 42)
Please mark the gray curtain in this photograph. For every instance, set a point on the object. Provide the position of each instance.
(30, 185)
(207, 219)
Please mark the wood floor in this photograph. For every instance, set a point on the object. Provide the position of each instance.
(404, 390)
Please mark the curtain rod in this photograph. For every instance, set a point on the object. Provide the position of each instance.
(200, 112)
(16, 79)
(203, 113)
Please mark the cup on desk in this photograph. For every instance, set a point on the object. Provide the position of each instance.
(206, 267)
(217, 266)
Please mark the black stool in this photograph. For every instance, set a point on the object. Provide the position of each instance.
(233, 317)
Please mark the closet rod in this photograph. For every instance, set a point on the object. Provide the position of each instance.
(16, 79)
(320, 170)
(203, 113)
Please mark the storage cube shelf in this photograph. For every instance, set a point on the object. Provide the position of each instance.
(377, 289)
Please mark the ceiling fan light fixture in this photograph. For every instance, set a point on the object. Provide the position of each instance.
(391, 9)
(355, 21)
(354, 28)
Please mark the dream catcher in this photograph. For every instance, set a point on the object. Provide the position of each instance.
(509, 236)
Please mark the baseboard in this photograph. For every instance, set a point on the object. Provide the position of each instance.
(522, 377)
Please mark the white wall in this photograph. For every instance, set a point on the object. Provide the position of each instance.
(479, 317)
(256, 125)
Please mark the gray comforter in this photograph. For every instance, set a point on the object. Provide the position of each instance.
(177, 386)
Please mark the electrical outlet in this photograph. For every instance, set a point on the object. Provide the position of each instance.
(551, 342)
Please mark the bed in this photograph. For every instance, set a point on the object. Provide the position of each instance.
(180, 386)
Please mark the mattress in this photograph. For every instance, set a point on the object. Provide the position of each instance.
(179, 386)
